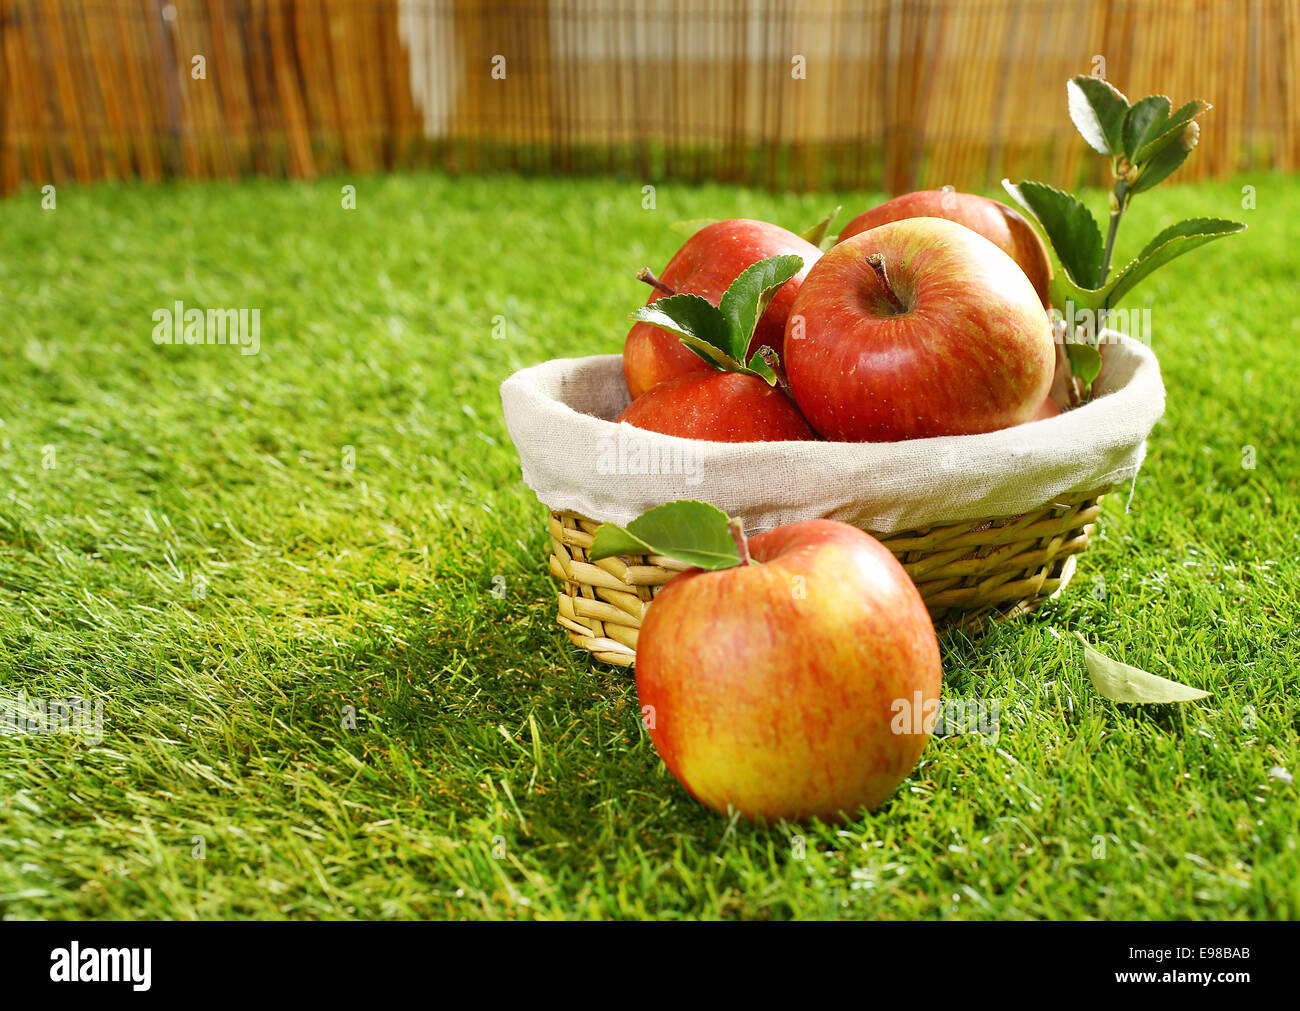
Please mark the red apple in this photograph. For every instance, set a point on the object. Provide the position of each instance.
(1049, 408)
(706, 265)
(720, 407)
(794, 688)
(915, 329)
(1004, 227)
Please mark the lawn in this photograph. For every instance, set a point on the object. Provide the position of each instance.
(276, 571)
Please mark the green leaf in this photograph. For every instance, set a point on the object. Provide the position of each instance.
(1144, 122)
(1062, 291)
(1070, 228)
(1121, 683)
(1170, 130)
(817, 232)
(721, 335)
(1098, 111)
(1168, 245)
(720, 360)
(1068, 298)
(691, 226)
(744, 303)
(762, 369)
(691, 532)
(611, 539)
(1192, 228)
(1085, 361)
(1165, 162)
(688, 316)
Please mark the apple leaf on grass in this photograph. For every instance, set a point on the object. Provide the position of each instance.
(692, 532)
(1121, 683)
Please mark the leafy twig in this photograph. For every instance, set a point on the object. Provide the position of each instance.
(1145, 142)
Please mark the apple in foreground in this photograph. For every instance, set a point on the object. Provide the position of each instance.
(706, 265)
(718, 406)
(915, 329)
(789, 687)
(1004, 227)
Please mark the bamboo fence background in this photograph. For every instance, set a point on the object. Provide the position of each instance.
(898, 94)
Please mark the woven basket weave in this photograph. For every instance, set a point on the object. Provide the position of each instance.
(966, 572)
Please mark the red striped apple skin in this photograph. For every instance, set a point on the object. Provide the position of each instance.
(1004, 227)
(970, 352)
(706, 265)
(719, 407)
(772, 687)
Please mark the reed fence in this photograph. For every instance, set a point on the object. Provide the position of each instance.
(892, 94)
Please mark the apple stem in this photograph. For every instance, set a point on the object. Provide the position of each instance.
(736, 526)
(878, 265)
(648, 276)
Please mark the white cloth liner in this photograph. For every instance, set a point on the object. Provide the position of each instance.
(574, 457)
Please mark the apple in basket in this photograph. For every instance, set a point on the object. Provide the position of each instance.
(734, 397)
(1004, 227)
(798, 678)
(914, 329)
(706, 265)
(719, 407)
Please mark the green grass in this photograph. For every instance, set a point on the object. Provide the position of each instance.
(181, 539)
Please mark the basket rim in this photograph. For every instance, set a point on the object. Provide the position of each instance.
(587, 465)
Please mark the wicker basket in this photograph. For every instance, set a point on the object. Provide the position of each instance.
(966, 572)
(918, 497)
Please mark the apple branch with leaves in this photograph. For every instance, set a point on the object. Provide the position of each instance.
(1145, 141)
(720, 334)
